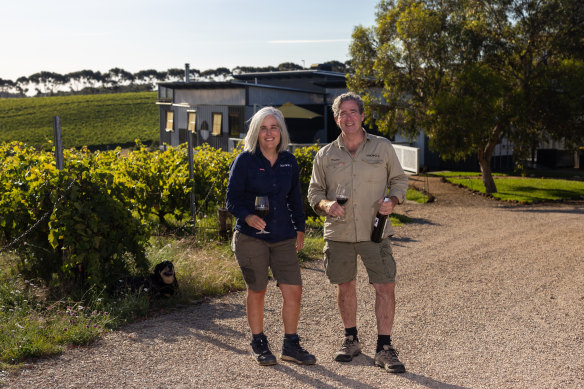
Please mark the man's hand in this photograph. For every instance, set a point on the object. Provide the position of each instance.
(386, 208)
(299, 240)
(332, 208)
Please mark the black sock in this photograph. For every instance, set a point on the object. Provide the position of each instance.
(383, 340)
(352, 331)
(257, 336)
(290, 337)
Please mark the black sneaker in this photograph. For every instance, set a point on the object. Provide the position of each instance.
(387, 358)
(292, 351)
(261, 351)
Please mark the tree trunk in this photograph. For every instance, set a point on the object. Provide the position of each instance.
(488, 180)
(484, 156)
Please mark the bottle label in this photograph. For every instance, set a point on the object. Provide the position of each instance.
(375, 222)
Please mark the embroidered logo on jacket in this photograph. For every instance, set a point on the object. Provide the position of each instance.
(285, 165)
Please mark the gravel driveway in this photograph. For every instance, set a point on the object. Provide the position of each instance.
(489, 295)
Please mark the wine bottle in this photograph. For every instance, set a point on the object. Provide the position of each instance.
(379, 225)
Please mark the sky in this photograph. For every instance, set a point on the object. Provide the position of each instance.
(63, 36)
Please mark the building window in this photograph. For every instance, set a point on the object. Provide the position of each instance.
(235, 123)
(165, 94)
(192, 122)
(217, 121)
(169, 121)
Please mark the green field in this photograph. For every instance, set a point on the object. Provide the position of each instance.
(97, 121)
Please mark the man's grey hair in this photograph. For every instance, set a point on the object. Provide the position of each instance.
(348, 96)
(251, 139)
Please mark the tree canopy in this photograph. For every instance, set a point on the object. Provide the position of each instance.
(470, 72)
(117, 79)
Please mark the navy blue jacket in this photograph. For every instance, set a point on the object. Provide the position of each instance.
(252, 175)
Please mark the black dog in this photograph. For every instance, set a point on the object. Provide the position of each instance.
(162, 283)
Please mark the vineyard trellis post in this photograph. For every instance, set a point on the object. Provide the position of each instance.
(58, 142)
(192, 180)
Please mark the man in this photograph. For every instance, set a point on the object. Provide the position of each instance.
(368, 166)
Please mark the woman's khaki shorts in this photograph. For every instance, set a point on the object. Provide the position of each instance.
(340, 261)
(254, 256)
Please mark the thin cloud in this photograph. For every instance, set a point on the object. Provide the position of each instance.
(295, 41)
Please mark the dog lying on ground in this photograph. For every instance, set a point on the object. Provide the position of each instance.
(162, 283)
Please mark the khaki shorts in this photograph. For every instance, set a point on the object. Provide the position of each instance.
(340, 261)
(254, 256)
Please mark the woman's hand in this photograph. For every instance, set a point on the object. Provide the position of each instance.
(255, 221)
(299, 240)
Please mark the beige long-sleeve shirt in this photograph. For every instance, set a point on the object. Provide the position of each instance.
(367, 174)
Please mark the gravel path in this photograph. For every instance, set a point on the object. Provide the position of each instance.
(489, 295)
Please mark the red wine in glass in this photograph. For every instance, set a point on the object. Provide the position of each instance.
(262, 212)
(342, 196)
(342, 200)
(262, 209)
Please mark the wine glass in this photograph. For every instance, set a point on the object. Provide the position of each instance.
(342, 196)
(262, 208)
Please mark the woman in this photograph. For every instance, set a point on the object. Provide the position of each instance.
(265, 168)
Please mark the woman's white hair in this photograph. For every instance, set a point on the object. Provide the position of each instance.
(251, 139)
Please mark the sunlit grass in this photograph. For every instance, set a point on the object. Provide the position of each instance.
(417, 196)
(32, 327)
(202, 268)
(527, 190)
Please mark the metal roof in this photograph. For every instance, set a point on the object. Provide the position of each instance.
(322, 74)
(228, 85)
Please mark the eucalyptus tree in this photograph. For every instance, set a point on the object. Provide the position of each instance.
(149, 77)
(219, 74)
(9, 88)
(176, 74)
(470, 72)
(288, 66)
(82, 79)
(118, 77)
(46, 82)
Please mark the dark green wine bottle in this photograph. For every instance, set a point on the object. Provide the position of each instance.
(379, 225)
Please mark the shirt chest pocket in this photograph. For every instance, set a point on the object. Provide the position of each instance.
(337, 172)
(373, 170)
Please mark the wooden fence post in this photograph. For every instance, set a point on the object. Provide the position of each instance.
(58, 142)
(192, 178)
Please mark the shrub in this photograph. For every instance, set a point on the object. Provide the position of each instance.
(68, 230)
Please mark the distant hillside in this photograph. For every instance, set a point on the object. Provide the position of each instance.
(97, 121)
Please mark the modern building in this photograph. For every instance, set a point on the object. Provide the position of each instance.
(218, 111)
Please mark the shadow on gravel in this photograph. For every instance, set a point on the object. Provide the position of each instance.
(403, 239)
(421, 220)
(430, 383)
(361, 360)
(201, 320)
(327, 376)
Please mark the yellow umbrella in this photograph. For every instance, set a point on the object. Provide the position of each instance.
(291, 111)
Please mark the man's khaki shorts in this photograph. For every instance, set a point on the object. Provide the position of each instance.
(340, 261)
(254, 256)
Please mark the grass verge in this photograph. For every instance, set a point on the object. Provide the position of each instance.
(520, 189)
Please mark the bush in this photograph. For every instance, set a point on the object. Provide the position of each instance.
(73, 234)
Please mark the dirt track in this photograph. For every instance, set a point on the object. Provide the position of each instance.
(489, 295)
